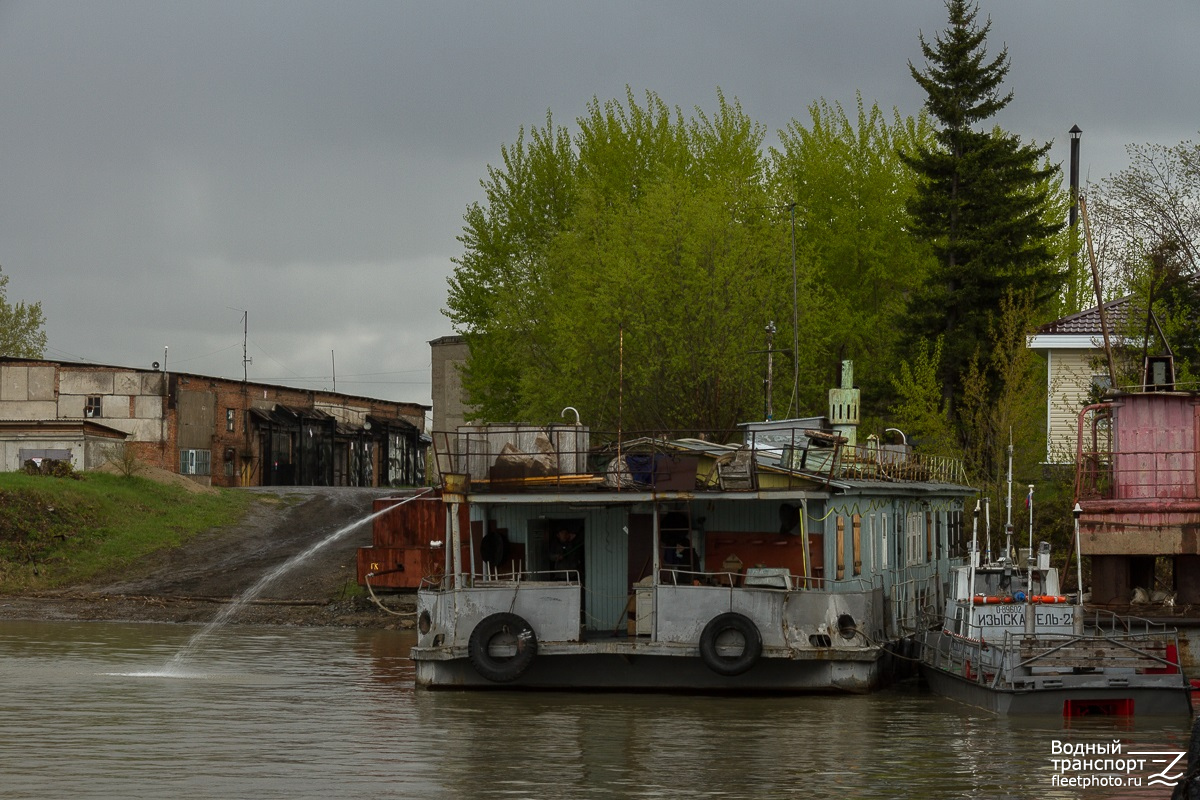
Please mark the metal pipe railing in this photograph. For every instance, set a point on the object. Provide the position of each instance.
(562, 458)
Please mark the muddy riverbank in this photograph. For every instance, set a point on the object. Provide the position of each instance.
(191, 583)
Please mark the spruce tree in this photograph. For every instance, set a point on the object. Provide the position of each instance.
(983, 203)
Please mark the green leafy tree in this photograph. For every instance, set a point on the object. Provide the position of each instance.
(1163, 317)
(627, 271)
(496, 292)
(22, 326)
(984, 202)
(1016, 412)
(918, 408)
(849, 185)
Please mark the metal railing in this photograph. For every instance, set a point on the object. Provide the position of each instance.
(1134, 475)
(738, 580)
(445, 582)
(1131, 643)
(564, 458)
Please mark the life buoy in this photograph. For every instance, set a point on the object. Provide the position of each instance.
(507, 631)
(730, 665)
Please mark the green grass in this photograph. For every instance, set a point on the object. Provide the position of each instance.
(56, 532)
(352, 589)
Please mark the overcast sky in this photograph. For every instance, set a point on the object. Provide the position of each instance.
(166, 166)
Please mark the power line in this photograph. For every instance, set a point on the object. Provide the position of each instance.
(206, 355)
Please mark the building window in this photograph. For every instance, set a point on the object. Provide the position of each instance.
(916, 537)
(91, 407)
(229, 419)
(195, 462)
(883, 533)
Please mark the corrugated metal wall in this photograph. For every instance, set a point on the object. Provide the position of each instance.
(1156, 444)
(606, 551)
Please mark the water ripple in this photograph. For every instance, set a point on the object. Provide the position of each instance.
(88, 711)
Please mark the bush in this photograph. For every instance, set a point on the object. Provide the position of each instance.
(52, 468)
(124, 460)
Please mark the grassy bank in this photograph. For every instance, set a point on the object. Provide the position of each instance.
(57, 532)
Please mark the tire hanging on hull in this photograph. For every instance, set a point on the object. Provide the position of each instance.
(516, 632)
(734, 664)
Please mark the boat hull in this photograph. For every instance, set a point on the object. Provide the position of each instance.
(630, 670)
(1159, 700)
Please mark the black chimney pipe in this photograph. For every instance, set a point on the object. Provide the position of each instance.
(1075, 134)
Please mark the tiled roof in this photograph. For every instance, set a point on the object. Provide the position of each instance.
(1088, 321)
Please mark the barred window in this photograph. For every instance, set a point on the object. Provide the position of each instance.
(195, 462)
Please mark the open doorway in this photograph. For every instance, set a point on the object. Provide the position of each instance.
(557, 548)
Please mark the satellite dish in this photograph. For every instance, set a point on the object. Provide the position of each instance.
(154, 365)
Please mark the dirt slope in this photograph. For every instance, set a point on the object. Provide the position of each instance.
(189, 583)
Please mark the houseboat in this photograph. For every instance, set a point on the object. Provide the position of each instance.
(793, 559)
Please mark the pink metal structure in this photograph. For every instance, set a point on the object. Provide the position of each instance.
(1138, 486)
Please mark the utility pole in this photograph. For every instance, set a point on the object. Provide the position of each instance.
(1087, 235)
(795, 401)
(770, 370)
(244, 458)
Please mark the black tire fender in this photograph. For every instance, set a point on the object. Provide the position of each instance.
(730, 665)
(510, 629)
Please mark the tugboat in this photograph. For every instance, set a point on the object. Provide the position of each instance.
(1012, 643)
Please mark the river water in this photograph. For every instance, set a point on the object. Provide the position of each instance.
(88, 710)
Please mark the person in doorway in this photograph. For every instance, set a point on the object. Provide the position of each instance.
(678, 554)
(566, 552)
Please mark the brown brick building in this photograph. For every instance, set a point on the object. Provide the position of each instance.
(215, 430)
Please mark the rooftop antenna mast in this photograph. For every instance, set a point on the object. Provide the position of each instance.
(246, 360)
(1008, 526)
(987, 518)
